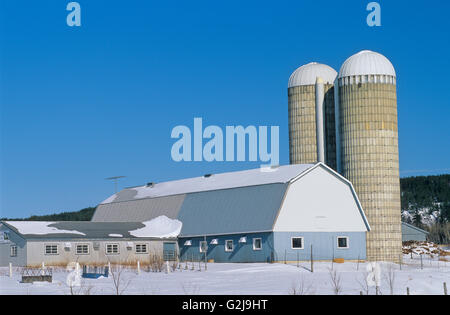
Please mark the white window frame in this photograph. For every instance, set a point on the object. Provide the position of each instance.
(292, 242)
(82, 253)
(13, 251)
(112, 253)
(141, 245)
(226, 247)
(51, 251)
(254, 247)
(200, 248)
(347, 242)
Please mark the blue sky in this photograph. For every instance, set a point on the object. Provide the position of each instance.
(84, 103)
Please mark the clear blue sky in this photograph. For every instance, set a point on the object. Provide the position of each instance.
(82, 104)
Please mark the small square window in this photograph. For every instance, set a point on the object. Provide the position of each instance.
(13, 252)
(6, 236)
(342, 242)
(82, 249)
(51, 249)
(141, 249)
(112, 249)
(229, 246)
(297, 242)
(257, 244)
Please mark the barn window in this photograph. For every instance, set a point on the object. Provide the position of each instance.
(229, 245)
(141, 249)
(297, 242)
(51, 249)
(13, 251)
(342, 242)
(82, 249)
(6, 236)
(203, 246)
(112, 249)
(257, 244)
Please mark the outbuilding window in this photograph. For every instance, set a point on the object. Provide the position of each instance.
(229, 245)
(297, 242)
(141, 249)
(257, 244)
(342, 242)
(112, 249)
(82, 249)
(51, 249)
(13, 251)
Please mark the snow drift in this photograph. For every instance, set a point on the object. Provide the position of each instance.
(160, 227)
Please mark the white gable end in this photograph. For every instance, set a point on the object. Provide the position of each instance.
(320, 201)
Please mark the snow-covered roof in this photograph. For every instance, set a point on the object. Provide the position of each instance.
(253, 177)
(366, 62)
(307, 74)
(159, 227)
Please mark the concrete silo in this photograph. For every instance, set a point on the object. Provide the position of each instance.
(367, 147)
(303, 98)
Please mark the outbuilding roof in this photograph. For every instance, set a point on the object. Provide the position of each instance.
(76, 229)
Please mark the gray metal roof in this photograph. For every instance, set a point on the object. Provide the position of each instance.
(139, 210)
(228, 211)
(253, 177)
(82, 229)
(405, 227)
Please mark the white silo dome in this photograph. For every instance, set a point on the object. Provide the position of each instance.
(307, 74)
(367, 62)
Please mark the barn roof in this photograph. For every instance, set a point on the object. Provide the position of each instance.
(237, 202)
(209, 182)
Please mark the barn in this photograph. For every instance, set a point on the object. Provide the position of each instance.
(31, 243)
(283, 213)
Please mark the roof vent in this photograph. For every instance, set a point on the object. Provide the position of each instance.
(207, 175)
(150, 185)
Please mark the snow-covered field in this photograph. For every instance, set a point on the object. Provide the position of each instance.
(250, 279)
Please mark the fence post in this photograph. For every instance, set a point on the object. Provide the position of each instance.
(10, 270)
(312, 260)
(407, 291)
(421, 262)
(400, 261)
(138, 267)
(445, 288)
(357, 263)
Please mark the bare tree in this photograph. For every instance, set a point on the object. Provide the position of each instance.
(363, 283)
(335, 281)
(302, 288)
(120, 282)
(389, 276)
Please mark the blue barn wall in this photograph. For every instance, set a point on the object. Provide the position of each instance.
(324, 246)
(243, 252)
(277, 247)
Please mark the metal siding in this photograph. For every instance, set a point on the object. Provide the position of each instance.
(237, 210)
(139, 210)
(242, 253)
(324, 246)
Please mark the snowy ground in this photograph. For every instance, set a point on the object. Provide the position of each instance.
(252, 279)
